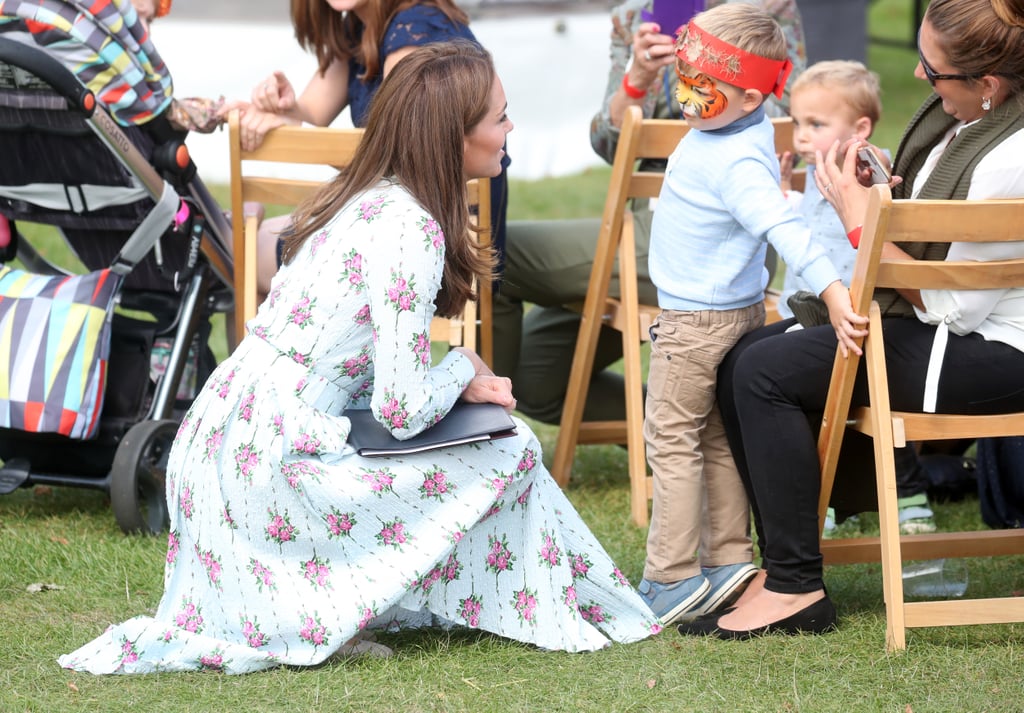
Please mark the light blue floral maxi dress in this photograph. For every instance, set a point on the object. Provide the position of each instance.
(284, 543)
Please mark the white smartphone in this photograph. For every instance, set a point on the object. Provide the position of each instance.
(867, 157)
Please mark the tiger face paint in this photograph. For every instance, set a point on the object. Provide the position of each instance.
(699, 96)
(701, 52)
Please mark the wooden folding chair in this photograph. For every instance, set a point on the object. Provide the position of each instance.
(917, 221)
(260, 182)
(254, 177)
(639, 139)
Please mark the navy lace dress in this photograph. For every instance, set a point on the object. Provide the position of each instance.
(412, 27)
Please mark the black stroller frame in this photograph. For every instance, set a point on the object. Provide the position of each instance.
(176, 264)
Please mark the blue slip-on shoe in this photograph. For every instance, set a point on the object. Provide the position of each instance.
(727, 584)
(671, 601)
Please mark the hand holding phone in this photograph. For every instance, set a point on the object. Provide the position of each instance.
(866, 158)
(672, 14)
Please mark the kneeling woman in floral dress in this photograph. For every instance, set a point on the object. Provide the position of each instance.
(285, 544)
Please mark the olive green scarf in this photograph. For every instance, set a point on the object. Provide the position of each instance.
(951, 177)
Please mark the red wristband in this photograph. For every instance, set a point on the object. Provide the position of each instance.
(854, 236)
(630, 90)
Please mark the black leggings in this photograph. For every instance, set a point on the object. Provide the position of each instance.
(772, 388)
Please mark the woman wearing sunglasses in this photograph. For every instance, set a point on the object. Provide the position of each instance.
(965, 142)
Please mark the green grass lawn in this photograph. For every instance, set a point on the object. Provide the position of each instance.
(68, 538)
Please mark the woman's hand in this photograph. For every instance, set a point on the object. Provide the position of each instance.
(490, 389)
(840, 185)
(849, 325)
(651, 51)
(846, 185)
(254, 125)
(485, 386)
(274, 94)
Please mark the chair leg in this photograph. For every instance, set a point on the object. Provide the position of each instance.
(583, 358)
(885, 476)
(639, 493)
(575, 397)
(637, 448)
(892, 559)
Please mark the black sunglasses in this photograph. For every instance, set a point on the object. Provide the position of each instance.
(934, 76)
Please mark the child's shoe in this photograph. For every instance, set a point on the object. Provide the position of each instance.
(916, 516)
(671, 601)
(847, 528)
(727, 584)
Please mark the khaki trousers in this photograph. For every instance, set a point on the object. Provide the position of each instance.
(700, 514)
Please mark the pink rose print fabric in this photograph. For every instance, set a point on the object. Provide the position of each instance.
(284, 543)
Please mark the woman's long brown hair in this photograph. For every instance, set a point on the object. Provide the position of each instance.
(415, 135)
(332, 35)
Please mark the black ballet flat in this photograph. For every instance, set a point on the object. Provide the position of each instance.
(816, 618)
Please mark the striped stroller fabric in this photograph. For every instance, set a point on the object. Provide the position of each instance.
(105, 45)
(54, 347)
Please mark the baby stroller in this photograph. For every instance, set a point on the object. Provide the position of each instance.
(86, 148)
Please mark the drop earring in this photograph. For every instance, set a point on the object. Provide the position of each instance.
(986, 104)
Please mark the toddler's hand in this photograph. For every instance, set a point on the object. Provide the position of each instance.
(848, 325)
(786, 171)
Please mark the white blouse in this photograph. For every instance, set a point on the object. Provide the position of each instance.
(997, 315)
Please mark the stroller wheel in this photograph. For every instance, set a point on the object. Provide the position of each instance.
(137, 477)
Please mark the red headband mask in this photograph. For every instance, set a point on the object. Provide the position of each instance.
(718, 59)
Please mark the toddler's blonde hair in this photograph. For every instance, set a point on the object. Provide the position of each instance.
(858, 86)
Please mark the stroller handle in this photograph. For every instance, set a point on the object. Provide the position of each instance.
(50, 71)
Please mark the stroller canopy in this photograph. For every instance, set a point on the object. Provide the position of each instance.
(104, 44)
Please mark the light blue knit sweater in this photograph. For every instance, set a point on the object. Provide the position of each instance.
(720, 206)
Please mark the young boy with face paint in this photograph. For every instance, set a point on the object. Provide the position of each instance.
(720, 206)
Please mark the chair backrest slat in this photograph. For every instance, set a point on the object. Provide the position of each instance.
(946, 275)
(956, 221)
(293, 144)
